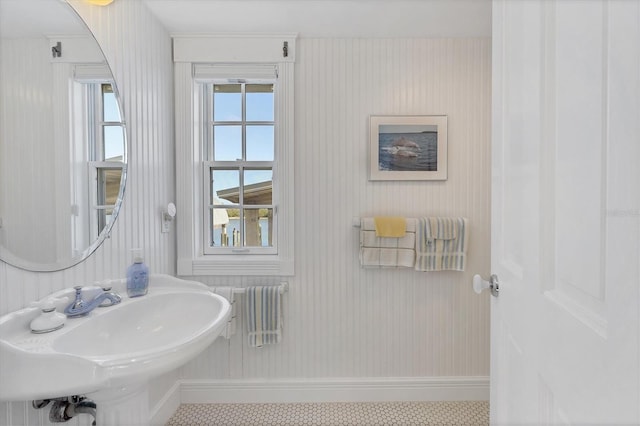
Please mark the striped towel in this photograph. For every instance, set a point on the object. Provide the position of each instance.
(441, 244)
(264, 316)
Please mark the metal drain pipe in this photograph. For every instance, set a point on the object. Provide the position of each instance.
(58, 412)
(64, 409)
(84, 406)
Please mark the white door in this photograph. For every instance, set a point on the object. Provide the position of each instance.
(566, 212)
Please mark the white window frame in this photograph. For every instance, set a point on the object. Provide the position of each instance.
(86, 99)
(206, 58)
(207, 83)
(97, 214)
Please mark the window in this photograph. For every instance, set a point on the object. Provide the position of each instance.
(97, 151)
(106, 153)
(238, 172)
(234, 155)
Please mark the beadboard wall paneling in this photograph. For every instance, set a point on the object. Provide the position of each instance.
(342, 321)
(27, 96)
(138, 49)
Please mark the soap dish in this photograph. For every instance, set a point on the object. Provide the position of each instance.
(49, 320)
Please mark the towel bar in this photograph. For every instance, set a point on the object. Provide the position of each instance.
(283, 288)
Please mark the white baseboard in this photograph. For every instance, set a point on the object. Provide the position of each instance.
(336, 390)
(168, 404)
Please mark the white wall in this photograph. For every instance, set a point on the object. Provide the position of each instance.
(342, 321)
(139, 51)
(27, 98)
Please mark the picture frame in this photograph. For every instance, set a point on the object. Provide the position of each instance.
(408, 147)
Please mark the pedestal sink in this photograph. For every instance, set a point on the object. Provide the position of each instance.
(110, 355)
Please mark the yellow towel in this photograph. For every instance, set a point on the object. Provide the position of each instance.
(390, 226)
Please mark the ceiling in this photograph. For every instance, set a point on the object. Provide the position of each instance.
(37, 18)
(307, 18)
(327, 18)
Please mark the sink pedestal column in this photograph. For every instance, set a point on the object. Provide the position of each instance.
(122, 406)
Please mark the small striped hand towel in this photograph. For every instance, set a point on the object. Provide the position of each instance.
(264, 315)
(441, 244)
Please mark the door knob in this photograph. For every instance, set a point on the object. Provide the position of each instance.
(493, 284)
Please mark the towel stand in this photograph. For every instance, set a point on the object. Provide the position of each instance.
(282, 288)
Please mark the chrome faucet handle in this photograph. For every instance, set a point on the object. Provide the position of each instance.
(108, 289)
(77, 307)
(110, 297)
(78, 302)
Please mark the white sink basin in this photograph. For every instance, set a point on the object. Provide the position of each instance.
(127, 343)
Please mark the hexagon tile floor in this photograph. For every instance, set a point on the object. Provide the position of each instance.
(446, 413)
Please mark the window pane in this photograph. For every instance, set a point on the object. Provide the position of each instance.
(112, 178)
(227, 102)
(110, 110)
(227, 143)
(103, 217)
(108, 186)
(258, 187)
(225, 227)
(113, 143)
(108, 214)
(258, 227)
(224, 187)
(260, 143)
(259, 102)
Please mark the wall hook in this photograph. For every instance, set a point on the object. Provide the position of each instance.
(56, 51)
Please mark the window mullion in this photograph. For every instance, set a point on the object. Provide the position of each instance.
(243, 162)
(206, 154)
(207, 130)
(92, 130)
(241, 202)
(244, 121)
(99, 116)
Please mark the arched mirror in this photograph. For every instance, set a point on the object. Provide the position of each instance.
(62, 137)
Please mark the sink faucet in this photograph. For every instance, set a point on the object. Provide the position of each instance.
(80, 307)
(110, 297)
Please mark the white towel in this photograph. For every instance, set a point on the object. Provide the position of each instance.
(387, 258)
(441, 244)
(227, 293)
(386, 252)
